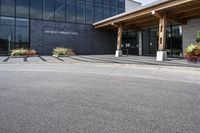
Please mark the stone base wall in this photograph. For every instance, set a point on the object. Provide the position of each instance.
(84, 39)
(190, 32)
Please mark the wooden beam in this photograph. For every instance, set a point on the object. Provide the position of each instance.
(189, 14)
(174, 12)
(119, 37)
(156, 14)
(176, 20)
(115, 25)
(143, 20)
(162, 33)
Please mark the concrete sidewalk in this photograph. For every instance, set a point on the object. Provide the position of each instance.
(141, 60)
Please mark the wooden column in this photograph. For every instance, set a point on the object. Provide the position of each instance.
(162, 33)
(119, 37)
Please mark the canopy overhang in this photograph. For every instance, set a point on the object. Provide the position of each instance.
(176, 11)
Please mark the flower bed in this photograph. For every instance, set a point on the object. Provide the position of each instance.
(59, 51)
(23, 52)
(192, 53)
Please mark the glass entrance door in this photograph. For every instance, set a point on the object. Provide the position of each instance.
(153, 41)
(174, 41)
(130, 43)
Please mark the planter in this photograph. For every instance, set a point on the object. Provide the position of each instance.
(62, 52)
(192, 53)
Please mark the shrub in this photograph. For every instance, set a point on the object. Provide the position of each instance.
(192, 53)
(31, 53)
(63, 51)
(23, 52)
(198, 40)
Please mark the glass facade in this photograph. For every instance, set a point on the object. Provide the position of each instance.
(76, 11)
(14, 33)
(130, 42)
(16, 14)
(173, 41)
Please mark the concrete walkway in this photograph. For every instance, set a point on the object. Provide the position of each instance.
(141, 60)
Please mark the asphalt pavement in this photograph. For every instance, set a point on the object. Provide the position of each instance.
(98, 98)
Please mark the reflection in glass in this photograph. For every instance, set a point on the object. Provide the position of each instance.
(22, 33)
(106, 11)
(98, 12)
(80, 11)
(36, 9)
(60, 10)
(113, 11)
(22, 37)
(22, 8)
(48, 9)
(89, 12)
(121, 4)
(6, 35)
(70, 11)
(8, 7)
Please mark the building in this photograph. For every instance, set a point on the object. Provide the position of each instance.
(45, 24)
(163, 28)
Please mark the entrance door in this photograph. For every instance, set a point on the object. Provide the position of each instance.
(153, 42)
(174, 41)
(130, 43)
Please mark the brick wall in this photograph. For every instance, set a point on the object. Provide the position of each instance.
(84, 39)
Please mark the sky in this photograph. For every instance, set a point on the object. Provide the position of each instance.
(144, 2)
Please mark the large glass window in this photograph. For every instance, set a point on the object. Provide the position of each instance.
(22, 8)
(14, 33)
(145, 42)
(22, 33)
(174, 41)
(48, 9)
(114, 3)
(60, 10)
(106, 2)
(113, 7)
(36, 9)
(8, 7)
(106, 8)
(89, 12)
(98, 12)
(106, 11)
(70, 10)
(113, 11)
(121, 4)
(6, 34)
(80, 11)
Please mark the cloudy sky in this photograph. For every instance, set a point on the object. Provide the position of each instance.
(144, 2)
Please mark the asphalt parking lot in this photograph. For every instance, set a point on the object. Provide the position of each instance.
(98, 98)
